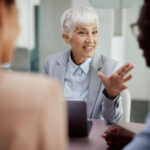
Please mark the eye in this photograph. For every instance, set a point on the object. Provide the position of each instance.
(81, 32)
(95, 32)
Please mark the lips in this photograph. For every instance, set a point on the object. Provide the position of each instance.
(88, 47)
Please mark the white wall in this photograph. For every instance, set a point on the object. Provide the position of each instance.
(140, 84)
(51, 41)
(50, 30)
(26, 21)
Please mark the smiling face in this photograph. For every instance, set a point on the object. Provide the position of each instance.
(144, 36)
(83, 42)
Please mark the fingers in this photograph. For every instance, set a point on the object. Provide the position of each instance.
(124, 87)
(117, 137)
(127, 78)
(125, 69)
(125, 66)
(103, 135)
(112, 129)
(112, 140)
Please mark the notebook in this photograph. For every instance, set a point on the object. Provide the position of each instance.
(78, 125)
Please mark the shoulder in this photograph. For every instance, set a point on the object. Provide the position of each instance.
(108, 60)
(27, 85)
(100, 60)
(57, 56)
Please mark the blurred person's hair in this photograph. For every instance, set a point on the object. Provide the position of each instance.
(77, 16)
(8, 2)
(147, 0)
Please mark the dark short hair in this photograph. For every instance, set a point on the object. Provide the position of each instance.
(147, 9)
(147, 1)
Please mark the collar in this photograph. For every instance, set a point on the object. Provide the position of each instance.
(85, 67)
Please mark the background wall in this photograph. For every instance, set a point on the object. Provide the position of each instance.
(121, 47)
(26, 42)
(115, 39)
(50, 31)
(139, 85)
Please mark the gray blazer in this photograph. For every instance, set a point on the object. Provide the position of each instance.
(98, 106)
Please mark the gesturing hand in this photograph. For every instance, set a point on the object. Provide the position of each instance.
(115, 83)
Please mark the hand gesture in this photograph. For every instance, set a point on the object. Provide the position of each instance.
(115, 83)
(117, 137)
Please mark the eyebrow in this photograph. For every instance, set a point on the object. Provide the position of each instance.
(86, 29)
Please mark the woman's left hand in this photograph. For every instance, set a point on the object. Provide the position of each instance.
(115, 83)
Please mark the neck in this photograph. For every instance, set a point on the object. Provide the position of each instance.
(77, 60)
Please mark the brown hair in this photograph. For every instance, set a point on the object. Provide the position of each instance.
(8, 2)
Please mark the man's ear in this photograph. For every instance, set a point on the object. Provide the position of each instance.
(66, 37)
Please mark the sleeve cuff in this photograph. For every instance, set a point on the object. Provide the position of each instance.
(111, 102)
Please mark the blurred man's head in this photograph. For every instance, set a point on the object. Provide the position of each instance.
(144, 27)
(9, 29)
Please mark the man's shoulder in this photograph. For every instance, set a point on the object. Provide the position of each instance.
(27, 82)
(29, 90)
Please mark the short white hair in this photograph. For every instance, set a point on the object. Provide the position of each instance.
(77, 16)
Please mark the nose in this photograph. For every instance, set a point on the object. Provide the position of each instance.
(90, 38)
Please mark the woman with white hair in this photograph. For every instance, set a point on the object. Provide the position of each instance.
(83, 75)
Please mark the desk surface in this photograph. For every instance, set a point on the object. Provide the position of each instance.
(94, 140)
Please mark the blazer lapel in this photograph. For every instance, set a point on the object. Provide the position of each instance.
(61, 66)
(94, 84)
